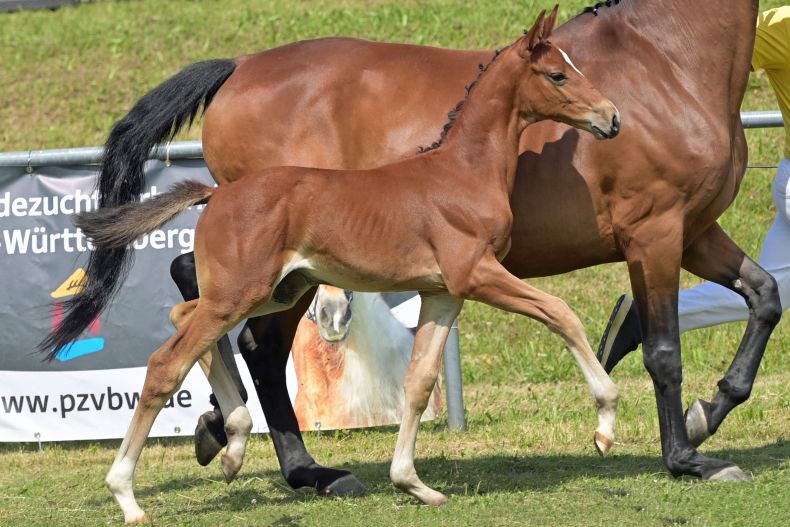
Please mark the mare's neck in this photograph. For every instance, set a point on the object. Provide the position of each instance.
(485, 135)
(706, 44)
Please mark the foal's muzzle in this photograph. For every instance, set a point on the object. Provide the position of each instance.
(609, 128)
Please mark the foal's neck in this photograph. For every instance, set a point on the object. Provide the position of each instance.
(485, 136)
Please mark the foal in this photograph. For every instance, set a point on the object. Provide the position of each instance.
(440, 227)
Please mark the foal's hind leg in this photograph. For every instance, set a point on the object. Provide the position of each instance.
(715, 257)
(237, 423)
(167, 368)
(209, 434)
(436, 317)
(491, 283)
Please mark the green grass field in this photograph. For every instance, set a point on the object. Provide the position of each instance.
(528, 458)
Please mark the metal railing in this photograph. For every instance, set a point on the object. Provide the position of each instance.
(91, 155)
(762, 119)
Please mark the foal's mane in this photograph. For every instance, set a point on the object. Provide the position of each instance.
(452, 115)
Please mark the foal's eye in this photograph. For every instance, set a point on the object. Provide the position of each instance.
(558, 77)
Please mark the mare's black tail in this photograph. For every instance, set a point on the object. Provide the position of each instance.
(156, 118)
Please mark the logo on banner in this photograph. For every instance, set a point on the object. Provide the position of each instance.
(70, 287)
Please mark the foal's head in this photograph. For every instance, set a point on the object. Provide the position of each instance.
(552, 87)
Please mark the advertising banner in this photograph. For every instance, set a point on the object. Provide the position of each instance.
(92, 387)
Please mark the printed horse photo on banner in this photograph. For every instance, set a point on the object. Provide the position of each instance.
(351, 355)
(440, 224)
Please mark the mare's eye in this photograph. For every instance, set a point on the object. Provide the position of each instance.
(558, 77)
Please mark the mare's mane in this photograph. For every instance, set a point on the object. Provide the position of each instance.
(594, 9)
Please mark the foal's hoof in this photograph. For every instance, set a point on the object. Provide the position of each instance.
(345, 487)
(230, 467)
(732, 473)
(434, 498)
(697, 422)
(137, 520)
(602, 443)
(210, 437)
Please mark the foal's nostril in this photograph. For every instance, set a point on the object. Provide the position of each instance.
(615, 127)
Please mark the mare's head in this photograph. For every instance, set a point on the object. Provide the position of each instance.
(552, 87)
(332, 311)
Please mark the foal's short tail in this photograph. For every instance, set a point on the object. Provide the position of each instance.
(114, 229)
(117, 227)
(155, 118)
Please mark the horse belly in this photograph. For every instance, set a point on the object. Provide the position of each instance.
(392, 275)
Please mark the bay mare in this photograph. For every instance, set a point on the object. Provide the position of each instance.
(438, 223)
(650, 197)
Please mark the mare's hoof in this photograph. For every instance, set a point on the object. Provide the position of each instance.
(345, 487)
(732, 473)
(602, 443)
(210, 437)
(697, 422)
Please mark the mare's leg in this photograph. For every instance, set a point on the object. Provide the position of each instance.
(437, 314)
(167, 368)
(654, 269)
(491, 283)
(715, 257)
(265, 345)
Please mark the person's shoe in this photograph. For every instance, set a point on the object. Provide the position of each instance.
(623, 334)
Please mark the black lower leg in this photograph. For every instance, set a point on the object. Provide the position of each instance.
(265, 344)
(655, 284)
(762, 296)
(662, 360)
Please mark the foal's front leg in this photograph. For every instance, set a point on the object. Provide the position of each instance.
(491, 283)
(437, 314)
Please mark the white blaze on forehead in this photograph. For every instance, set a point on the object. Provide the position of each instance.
(569, 61)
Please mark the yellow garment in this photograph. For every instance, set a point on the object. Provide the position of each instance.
(772, 54)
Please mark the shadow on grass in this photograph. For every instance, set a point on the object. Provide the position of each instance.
(472, 476)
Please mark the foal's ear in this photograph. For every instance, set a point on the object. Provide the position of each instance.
(532, 37)
(550, 21)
